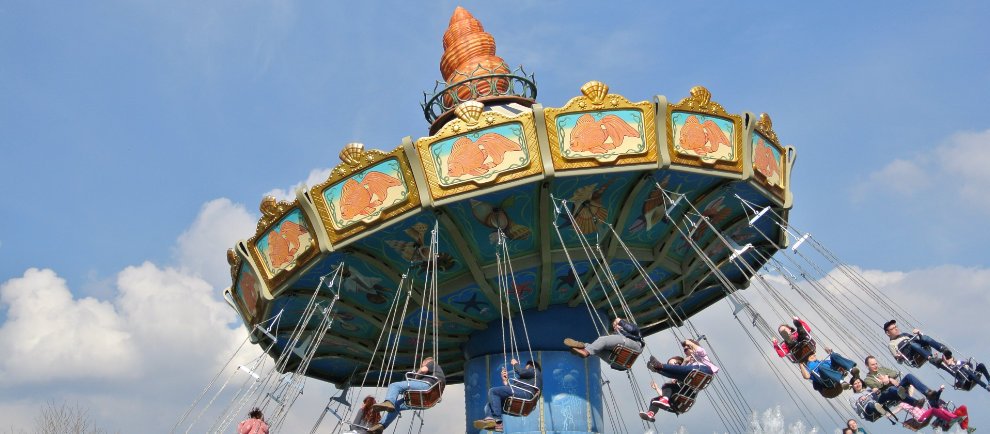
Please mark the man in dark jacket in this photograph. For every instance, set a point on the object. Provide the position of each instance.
(626, 333)
(529, 384)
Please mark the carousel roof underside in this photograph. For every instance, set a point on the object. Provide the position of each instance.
(494, 161)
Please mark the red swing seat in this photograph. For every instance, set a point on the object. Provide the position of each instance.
(424, 399)
(622, 357)
(521, 407)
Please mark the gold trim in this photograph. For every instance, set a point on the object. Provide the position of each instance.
(368, 159)
(458, 127)
(234, 260)
(469, 111)
(597, 99)
(765, 127)
(272, 212)
(700, 103)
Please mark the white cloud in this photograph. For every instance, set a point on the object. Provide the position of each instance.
(958, 166)
(49, 336)
(316, 176)
(201, 249)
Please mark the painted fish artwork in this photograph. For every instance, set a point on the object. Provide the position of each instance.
(480, 156)
(705, 137)
(364, 196)
(248, 290)
(603, 135)
(285, 242)
(766, 160)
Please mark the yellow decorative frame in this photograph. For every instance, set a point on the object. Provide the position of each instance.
(272, 211)
(356, 160)
(469, 120)
(764, 127)
(700, 102)
(595, 99)
(236, 262)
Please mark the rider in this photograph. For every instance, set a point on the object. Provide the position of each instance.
(626, 333)
(696, 359)
(830, 371)
(532, 378)
(891, 390)
(920, 417)
(968, 373)
(912, 345)
(429, 373)
(664, 393)
(791, 336)
(864, 400)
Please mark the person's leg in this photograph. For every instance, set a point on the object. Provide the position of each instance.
(801, 332)
(390, 416)
(962, 412)
(914, 349)
(838, 361)
(928, 342)
(678, 372)
(396, 389)
(496, 396)
(603, 345)
(911, 380)
(828, 376)
(940, 413)
(668, 390)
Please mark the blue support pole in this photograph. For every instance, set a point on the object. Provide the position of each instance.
(572, 395)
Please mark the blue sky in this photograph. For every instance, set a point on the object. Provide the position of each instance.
(129, 130)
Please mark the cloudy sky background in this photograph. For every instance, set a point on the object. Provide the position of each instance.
(137, 138)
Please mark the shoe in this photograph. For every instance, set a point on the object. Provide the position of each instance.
(663, 402)
(486, 423)
(384, 406)
(573, 343)
(498, 427)
(934, 396)
(653, 364)
(970, 430)
(854, 372)
(647, 416)
(377, 429)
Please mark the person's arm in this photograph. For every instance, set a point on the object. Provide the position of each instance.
(807, 327)
(804, 371)
(653, 384)
(505, 377)
(781, 351)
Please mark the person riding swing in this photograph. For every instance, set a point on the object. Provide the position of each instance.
(796, 344)
(527, 385)
(627, 335)
(428, 376)
(826, 375)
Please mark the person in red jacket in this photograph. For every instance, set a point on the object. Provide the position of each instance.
(791, 336)
(254, 424)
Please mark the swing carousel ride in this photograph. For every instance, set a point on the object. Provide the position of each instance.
(508, 228)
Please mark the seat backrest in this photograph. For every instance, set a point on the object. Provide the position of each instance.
(424, 399)
(801, 350)
(915, 361)
(697, 380)
(520, 407)
(622, 357)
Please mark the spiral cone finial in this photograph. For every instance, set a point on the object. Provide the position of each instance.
(469, 51)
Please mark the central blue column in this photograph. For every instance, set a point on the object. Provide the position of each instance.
(572, 399)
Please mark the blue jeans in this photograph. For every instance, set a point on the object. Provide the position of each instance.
(497, 395)
(828, 373)
(680, 372)
(889, 396)
(921, 345)
(396, 397)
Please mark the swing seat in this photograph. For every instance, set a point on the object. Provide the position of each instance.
(622, 357)
(697, 380)
(869, 417)
(682, 401)
(801, 351)
(964, 371)
(521, 407)
(914, 425)
(424, 399)
(915, 361)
